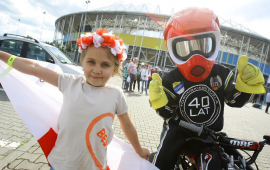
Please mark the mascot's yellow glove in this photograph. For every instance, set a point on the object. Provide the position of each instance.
(157, 96)
(250, 78)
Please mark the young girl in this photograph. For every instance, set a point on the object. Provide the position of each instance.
(89, 106)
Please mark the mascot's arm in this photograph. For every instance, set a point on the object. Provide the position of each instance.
(250, 78)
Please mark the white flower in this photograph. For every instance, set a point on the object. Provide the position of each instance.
(80, 50)
(117, 48)
(88, 34)
(97, 40)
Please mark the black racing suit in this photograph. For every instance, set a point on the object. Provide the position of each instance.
(199, 103)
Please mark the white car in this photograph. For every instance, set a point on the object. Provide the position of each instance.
(33, 49)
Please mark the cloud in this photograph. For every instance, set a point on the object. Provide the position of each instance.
(7, 7)
(254, 10)
(250, 13)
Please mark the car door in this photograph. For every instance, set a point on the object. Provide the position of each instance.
(13, 47)
(37, 53)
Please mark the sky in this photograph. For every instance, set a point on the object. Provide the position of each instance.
(253, 14)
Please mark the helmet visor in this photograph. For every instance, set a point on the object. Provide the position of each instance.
(184, 48)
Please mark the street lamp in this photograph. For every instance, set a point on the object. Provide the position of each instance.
(42, 26)
(18, 25)
(87, 2)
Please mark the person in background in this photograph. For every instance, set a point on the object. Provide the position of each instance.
(261, 98)
(132, 71)
(125, 74)
(255, 98)
(138, 77)
(154, 70)
(145, 76)
(157, 70)
(267, 102)
(151, 70)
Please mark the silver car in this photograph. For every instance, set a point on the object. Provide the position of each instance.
(33, 49)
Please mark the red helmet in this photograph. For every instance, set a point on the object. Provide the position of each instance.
(193, 38)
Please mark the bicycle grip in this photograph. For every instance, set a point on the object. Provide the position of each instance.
(191, 127)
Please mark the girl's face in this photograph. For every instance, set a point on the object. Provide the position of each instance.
(98, 66)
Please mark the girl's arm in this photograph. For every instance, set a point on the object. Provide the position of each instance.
(32, 68)
(131, 134)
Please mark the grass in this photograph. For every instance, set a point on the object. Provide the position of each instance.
(22, 143)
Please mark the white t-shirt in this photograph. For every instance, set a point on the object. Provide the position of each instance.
(85, 124)
(132, 67)
(145, 74)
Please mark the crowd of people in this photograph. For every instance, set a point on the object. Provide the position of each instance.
(140, 74)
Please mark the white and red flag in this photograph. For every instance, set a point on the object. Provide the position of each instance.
(38, 104)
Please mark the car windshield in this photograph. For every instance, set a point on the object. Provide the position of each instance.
(60, 56)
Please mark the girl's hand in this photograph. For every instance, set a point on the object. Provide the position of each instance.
(144, 153)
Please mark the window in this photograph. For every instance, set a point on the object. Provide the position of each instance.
(37, 53)
(12, 46)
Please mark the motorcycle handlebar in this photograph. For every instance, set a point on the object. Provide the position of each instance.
(191, 127)
(200, 129)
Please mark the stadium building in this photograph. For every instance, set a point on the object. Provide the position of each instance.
(142, 32)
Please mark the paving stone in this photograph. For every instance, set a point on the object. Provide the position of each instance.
(26, 131)
(30, 156)
(19, 129)
(28, 145)
(41, 159)
(28, 136)
(16, 139)
(39, 150)
(32, 149)
(5, 131)
(45, 167)
(29, 165)
(10, 158)
(15, 163)
(13, 145)
(4, 126)
(17, 134)
(4, 142)
(3, 150)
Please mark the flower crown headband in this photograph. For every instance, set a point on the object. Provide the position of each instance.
(102, 38)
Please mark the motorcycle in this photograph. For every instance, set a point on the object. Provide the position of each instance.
(227, 150)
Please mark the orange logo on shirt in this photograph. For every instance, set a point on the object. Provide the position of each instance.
(104, 137)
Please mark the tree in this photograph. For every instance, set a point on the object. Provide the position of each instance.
(28, 36)
(50, 43)
(68, 48)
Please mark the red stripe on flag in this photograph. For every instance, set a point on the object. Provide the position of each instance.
(47, 141)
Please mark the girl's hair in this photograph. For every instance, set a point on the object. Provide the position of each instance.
(111, 56)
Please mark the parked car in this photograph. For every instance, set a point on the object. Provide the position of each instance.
(33, 49)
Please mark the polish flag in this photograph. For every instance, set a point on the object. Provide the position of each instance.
(38, 104)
